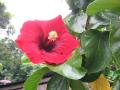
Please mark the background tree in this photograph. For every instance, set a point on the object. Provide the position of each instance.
(10, 55)
(4, 16)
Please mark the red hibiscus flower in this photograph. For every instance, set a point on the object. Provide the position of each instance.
(46, 41)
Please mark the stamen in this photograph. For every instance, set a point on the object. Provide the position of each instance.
(52, 36)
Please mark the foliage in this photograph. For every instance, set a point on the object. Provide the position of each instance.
(7, 59)
(70, 69)
(4, 16)
(34, 79)
(10, 56)
(58, 83)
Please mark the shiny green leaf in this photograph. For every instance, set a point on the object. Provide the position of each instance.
(72, 68)
(58, 82)
(32, 82)
(76, 23)
(115, 41)
(68, 71)
(116, 85)
(76, 59)
(102, 5)
(77, 85)
(76, 5)
(91, 77)
(96, 48)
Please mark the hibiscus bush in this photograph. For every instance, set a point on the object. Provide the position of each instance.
(82, 50)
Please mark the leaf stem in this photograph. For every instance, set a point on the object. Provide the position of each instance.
(87, 23)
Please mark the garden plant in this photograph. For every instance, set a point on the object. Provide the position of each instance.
(82, 50)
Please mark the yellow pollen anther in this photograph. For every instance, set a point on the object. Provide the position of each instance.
(52, 35)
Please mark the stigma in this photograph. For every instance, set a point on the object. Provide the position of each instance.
(52, 35)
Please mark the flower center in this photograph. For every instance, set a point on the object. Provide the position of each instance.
(52, 36)
(49, 43)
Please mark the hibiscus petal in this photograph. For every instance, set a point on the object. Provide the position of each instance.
(31, 32)
(55, 24)
(58, 25)
(30, 37)
(55, 58)
(32, 51)
(65, 44)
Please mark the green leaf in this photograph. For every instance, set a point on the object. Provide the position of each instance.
(91, 77)
(58, 82)
(72, 68)
(25, 59)
(68, 71)
(98, 21)
(115, 41)
(102, 5)
(110, 16)
(76, 23)
(76, 59)
(75, 5)
(32, 82)
(77, 85)
(72, 4)
(116, 85)
(96, 48)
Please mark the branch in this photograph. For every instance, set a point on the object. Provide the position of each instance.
(87, 23)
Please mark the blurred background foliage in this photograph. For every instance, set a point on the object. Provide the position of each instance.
(10, 56)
